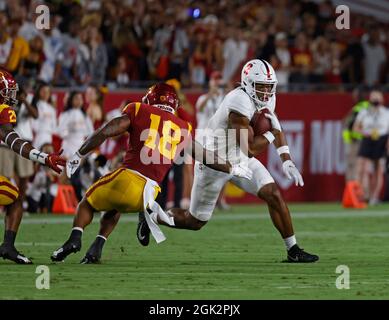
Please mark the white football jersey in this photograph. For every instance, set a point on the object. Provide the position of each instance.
(218, 137)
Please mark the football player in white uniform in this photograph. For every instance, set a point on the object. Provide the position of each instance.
(257, 91)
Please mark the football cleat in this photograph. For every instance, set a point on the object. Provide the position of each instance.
(298, 255)
(143, 230)
(89, 259)
(68, 248)
(8, 251)
(93, 255)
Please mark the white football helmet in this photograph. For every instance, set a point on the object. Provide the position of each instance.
(259, 81)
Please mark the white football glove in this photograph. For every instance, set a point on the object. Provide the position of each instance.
(72, 164)
(274, 121)
(242, 171)
(292, 172)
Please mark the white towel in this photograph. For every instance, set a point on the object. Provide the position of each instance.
(149, 202)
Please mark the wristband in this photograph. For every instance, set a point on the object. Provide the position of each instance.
(283, 149)
(38, 156)
(269, 136)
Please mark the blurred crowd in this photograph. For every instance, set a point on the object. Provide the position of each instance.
(127, 43)
(117, 44)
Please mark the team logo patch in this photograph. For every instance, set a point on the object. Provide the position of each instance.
(247, 68)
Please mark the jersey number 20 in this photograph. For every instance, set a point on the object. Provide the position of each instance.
(171, 135)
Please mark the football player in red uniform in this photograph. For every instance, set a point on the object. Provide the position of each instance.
(9, 194)
(157, 139)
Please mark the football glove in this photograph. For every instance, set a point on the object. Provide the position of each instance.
(274, 121)
(54, 161)
(72, 164)
(292, 172)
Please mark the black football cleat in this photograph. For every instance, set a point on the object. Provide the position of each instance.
(9, 252)
(298, 255)
(90, 259)
(68, 248)
(143, 230)
(93, 255)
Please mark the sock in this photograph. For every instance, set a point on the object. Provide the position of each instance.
(9, 237)
(290, 242)
(100, 241)
(76, 233)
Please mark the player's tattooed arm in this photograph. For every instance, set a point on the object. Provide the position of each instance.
(113, 128)
(26, 150)
(13, 140)
(241, 125)
(208, 158)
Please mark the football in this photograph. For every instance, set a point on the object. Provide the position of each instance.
(260, 123)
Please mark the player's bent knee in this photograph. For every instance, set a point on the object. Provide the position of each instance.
(85, 205)
(270, 193)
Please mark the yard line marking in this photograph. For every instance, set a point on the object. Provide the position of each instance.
(228, 216)
(42, 244)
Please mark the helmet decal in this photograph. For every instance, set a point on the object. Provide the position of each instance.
(267, 69)
(247, 68)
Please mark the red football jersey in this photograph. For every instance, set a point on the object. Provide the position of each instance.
(7, 115)
(156, 139)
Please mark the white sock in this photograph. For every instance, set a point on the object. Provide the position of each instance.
(290, 242)
(79, 229)
(102, 237)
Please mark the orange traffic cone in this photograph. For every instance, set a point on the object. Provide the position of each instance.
(353, 196)
(66, 201)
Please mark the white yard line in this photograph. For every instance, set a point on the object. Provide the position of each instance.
(225, 216)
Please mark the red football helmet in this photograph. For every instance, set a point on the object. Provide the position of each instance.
(163, 96)
(8, 88)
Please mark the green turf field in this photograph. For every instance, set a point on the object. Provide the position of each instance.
(236, 256)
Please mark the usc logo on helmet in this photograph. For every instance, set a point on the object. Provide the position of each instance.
(163, 98)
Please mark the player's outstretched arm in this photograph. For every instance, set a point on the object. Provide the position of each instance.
(251, 147)
(26, 150)
(213, 161)
(207, 157)
(113, 128)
